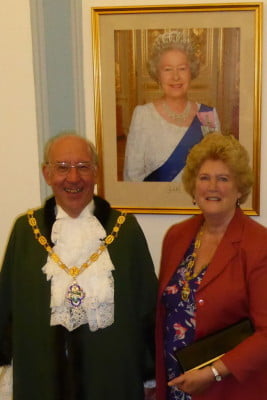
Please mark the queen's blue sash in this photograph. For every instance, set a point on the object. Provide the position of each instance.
(176, 162)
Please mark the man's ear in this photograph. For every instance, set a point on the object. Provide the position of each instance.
(46, 173)
(96, 174)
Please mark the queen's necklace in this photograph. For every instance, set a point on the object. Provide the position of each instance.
(75, 293)
(189, 271)
(180, 117)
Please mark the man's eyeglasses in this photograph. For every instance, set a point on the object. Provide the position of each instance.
(63, 168)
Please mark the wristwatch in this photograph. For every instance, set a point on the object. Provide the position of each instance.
(216, 374)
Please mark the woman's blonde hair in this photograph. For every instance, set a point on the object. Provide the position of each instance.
(227, 149)
(174, 40)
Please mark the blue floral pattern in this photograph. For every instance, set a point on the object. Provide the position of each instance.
(180, 322)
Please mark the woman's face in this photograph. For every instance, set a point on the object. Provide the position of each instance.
(174, 73)
(216, 191)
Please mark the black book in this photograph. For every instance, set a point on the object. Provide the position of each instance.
(208, 349)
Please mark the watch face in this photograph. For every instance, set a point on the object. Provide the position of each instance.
(216, 374)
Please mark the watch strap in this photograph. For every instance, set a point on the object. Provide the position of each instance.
(216, 374)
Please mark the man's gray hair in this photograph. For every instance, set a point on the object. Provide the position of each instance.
(53, 139)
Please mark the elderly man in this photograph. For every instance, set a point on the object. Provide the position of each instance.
(77, 290)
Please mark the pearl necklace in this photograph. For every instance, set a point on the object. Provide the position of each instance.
(189, 272)
(180, 117)
(75, 293)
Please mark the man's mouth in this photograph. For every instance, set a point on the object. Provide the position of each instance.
(70, 190)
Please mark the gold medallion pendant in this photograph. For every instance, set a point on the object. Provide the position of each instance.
(75, 294)
(189, 273)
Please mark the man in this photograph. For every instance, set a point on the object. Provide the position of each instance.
(77, 290)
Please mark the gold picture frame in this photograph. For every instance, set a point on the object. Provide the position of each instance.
(121, 41)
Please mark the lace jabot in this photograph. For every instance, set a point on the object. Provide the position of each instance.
(75, 239)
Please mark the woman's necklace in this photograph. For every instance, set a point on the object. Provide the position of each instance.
(189, 271)
(75, 293)
(180, 117)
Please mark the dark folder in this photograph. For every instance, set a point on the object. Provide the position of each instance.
(208, 349)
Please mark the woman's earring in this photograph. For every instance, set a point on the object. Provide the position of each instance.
(238, 203)
(194, 201)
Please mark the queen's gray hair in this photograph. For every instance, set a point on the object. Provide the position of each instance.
(174, 40)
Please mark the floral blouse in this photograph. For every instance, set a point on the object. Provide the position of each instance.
(180, 322)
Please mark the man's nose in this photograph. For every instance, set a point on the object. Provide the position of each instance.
(73, 174)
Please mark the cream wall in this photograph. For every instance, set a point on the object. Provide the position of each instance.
(19, 160)
(18, 151)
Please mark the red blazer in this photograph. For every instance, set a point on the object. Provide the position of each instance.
(234, 287)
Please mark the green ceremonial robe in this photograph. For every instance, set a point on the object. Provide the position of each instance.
(50, 363)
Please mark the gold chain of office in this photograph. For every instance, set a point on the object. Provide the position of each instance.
(75, 271)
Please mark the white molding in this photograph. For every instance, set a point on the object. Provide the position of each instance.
(88, 78)
(41, 88)
(77, 64)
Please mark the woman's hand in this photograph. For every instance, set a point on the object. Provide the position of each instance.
(195, 381)
(198, 380)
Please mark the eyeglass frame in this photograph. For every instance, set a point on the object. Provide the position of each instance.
(69, 165)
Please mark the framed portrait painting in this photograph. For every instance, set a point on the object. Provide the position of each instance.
(135, 137)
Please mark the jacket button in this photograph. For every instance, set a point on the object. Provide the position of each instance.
(201, 302)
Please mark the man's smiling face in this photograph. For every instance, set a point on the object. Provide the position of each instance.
(74, 189)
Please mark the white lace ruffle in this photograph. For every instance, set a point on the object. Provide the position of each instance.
(75, 240)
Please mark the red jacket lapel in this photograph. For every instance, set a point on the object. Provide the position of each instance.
(226, 250)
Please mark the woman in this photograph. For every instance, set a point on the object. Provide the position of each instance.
(162, 132)
(214, 274)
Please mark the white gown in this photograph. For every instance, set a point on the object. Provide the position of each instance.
(150, 142)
